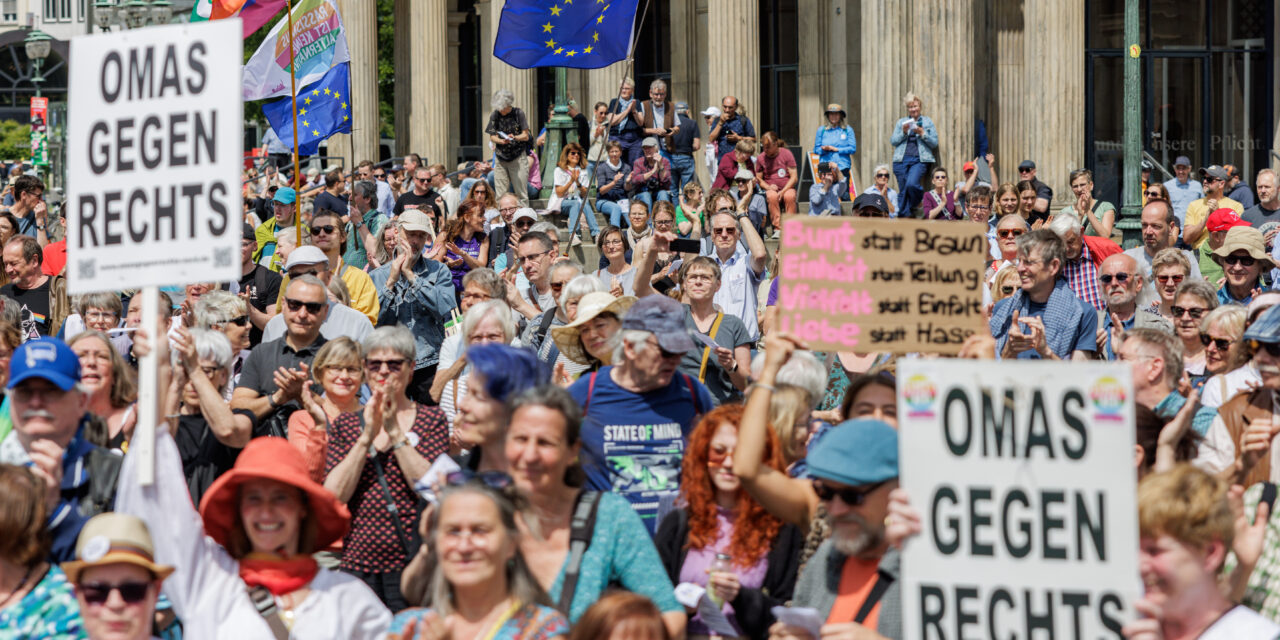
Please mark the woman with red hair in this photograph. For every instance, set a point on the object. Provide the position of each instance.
(719, 517)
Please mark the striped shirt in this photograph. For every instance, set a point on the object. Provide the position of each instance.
(1082, 277)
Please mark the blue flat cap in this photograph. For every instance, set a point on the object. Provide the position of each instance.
(856, 453)
(1267, 327)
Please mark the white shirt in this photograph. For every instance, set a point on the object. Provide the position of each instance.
(737, 294)
(1241, 622)
(1235, 381)
(450, 351)
(386, 201)
(206, 590)
(341, 321)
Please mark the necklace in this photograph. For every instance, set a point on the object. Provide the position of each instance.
(16, 590)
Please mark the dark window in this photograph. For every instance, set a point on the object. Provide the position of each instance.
(779, 109)
(471, 105)
(653, 47)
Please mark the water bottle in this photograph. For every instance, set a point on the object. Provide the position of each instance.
(722, 564)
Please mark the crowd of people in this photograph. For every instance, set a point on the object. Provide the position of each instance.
(414, 415)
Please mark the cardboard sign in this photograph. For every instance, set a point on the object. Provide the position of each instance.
(875, 284)
(1023, 475)
(153, 165)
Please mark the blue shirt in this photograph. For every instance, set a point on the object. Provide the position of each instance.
(740, 125)
(1173, 403)
(1224, 296)
(1086, 333)
(633, 443)
(826, 202)
(841, 138)
(422, 305)
(66, 520)
(1182, 194)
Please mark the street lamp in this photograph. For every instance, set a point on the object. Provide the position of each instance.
(38, 44)
(104, 13)
(161, 11)
(135, 13)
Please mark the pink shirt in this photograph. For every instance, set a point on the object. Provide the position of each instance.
(774, 170)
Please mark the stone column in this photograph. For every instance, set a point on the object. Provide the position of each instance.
(1007, 127)
(500, 75)
(1055, 136)
(602, 84)
(733, 34)
(455, 88)
(814, 78)
(942, 74)
(883, 79)
(429, 113)
(360, 19)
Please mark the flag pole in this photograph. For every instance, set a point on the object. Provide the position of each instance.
(293, 95)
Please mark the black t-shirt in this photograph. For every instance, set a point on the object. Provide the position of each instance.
(580, 122)
(1043, 190)
(513, 124)
(263, 286)
(682, 141)
(411, 198)
(628, 124)
(326, 200)
(35, 308)
(203, 457)
(1261, 218)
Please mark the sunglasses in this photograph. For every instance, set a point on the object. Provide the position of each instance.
(1152, 194)
(1221, 343)
(1244, 261)
(308, 272)
(98, 592)
(1007, 290)
(1194, 312)
(852, 496)
(716, 457)
(1175, 279)
(379, 175)
(1010, 233)
(1106, 278)
(1272, 348)
(312, 307)
(393, 366)
(239, 322)
(492, 479)
(724, 231)
(882, 175)
(323, 228)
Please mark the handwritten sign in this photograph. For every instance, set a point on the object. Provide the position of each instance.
(1023, 476)
(874, 284)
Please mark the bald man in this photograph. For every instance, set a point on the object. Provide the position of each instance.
(1121, 282)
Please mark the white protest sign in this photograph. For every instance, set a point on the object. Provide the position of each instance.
(154, 136)
(1024, 479)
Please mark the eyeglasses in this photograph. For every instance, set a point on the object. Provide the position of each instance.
(478, 297)
(1221, 343)
(1244, 261)
(392, 366)
(852, 496)
(572, 153)
(239, 322)
(1194, 312)
(558, 285)
(507, 210)
(379, 176)
(1167, 279)
(978, 207)
(323, 228)
(422, 180)
(535, 256)
(99, 315)
(1106, 278)
(523, 223)
(663, 223)
(492, 479)
(1272, 348)
(1025, 170)
(882, 175)
(312, 307)
(724, 231)
(1010, 233)
(98, 592)
(1007, 290)
(1027, 261)
(1152, 194)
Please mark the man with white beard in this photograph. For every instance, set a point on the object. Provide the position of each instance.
(853, 579)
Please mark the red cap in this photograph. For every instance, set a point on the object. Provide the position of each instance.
(1223, 219)
(968, 166)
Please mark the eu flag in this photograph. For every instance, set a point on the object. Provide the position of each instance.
(324, 108)
(582, 34)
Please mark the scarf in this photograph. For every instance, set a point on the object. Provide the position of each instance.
(278, 575)
(634, 238)
(1061, 316)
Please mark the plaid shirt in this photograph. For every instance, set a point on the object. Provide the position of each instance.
(1261, 594)
(1082, 277)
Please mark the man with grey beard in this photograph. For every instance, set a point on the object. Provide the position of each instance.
(853, 580)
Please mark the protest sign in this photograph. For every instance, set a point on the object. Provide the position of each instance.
(153, 160)
(39, 131)
(1024, 479)
(874, 284)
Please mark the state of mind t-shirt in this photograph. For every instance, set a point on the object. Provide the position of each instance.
(633, 443)
(34, 317)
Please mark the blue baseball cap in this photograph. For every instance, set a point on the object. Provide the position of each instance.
(664, 318)
(47, 358)
(856, 453)
(286, 195)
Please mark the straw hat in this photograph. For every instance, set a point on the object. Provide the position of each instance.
(1244, 239)
(569, 337)
(271, 459)
(114, 538)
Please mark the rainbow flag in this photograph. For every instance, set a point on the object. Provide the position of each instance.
(253, 13)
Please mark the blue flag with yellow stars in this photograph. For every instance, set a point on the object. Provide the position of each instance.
(582, 34)
(324, 108)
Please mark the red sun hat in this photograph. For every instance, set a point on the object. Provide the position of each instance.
(272, 459)
(1223, 219)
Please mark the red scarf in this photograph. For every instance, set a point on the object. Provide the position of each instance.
(278, 575)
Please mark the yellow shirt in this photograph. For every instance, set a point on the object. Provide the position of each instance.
(364, 296)
(1198, 213)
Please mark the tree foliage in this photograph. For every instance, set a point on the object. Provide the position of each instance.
(15, 139)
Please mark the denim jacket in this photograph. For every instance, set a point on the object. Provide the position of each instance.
(925, 144)
(422, 306)
(842, 139)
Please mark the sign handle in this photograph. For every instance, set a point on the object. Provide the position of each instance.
(144, 437)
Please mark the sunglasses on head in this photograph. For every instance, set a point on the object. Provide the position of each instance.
(1244, 261)
(1221, 343)
(1106, 278)
(492, 479)
(312, 307)
(98, 592)
(1272, 348)
(852, 496)
(1194, 312)
(394, 366)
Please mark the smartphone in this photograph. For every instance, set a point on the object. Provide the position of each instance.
(682, 245)
(1269, 496)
